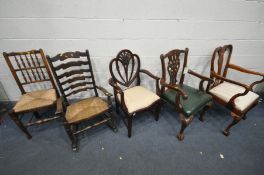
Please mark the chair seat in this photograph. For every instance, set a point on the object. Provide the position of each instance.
(225, 91)
(196, 99)
(85, 109)
(138, 97)
(35, 100)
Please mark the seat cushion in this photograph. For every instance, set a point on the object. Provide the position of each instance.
(85, 109)
(138, 97)
(35, 99)
(195, 102)
(225, 91)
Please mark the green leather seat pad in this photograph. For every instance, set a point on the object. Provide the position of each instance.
(195, 102)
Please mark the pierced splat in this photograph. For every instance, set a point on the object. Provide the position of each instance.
(127, 67)
(173, 67)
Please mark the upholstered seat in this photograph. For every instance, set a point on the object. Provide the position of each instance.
(226, 91)
(196, 99)
(36, 99)
(138, 97)
(85, 109)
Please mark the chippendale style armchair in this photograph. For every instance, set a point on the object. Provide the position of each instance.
(236, 96)
(74, 74)
(186, 100)
(133, 98)
(31, 68)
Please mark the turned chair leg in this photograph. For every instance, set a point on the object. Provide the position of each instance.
(236, 119)
(70, 128)
(15, 118)
(112, 122)
(129, 125)
(201, 118)
(157, 111)
(184, 123)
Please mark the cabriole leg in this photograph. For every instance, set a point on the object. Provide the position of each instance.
(184, 123)
(236, 119)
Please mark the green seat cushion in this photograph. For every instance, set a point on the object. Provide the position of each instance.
(196, 99)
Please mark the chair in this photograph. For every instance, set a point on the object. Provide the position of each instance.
(186, 100)
(30, 70)
(239, 98)
(129, 95)
(74, 74)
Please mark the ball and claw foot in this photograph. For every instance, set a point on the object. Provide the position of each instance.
(180, 137)
(226, 133)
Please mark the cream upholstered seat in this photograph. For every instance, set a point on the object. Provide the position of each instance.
(85, 109)
(138, 97)
(226, 91)
(36, 99)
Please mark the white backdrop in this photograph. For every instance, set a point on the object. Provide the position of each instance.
(146, 27)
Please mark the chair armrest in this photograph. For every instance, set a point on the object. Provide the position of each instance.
(108, 94)
(115, 86)
(241, 69)
(203, 79)
(176, 88)
(154, 77)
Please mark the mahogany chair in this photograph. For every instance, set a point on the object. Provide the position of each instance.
(186, 100)
(239, 98)
(30, 70)
(129, 95)
(74, 74)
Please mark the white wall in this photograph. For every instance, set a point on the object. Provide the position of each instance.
(146, 27)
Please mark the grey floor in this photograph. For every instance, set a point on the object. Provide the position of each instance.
(153, 148)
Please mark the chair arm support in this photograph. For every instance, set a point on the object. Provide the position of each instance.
(176, 88)
(203, 79)
(115, 86)
(59, 106)
(108, 94)
(154, 77)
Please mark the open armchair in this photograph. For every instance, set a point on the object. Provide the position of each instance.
(236, 96)
(133, 98)
(186, 100)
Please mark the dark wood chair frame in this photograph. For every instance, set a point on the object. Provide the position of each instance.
(173, 67)
(219, 77)
(72, 128)
(29, 65)
(125, 57)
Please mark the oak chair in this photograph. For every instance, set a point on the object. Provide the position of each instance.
(236, 96)
(30, 70)
(186, 100)
(129, 95)
(74, 75)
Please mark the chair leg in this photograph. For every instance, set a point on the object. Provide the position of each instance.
(244, 117)
(157, 111)
(117, 106)
(129, 125)
(70, 129)
(112, 122)
(15, 118)
(184, 123)
(236, 119)
(36, 115)
(201, 118)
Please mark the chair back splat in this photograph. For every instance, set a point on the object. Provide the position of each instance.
(77, 73)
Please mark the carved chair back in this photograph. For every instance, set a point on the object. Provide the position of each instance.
(28, 68)
(124, 69)
(174, 63)
(73, 73)
(220, 61)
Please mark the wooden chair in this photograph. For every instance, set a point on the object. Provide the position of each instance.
(31, 69)
(129, 95)
(74, 74)
(186, 100)
(236, 96)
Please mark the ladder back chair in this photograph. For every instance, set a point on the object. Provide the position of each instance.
(129, 95)
(236, 96)
(186, 100)
(30, 68)
(74, 74)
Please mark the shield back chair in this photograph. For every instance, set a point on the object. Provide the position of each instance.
(186, 100)
(129, 95)
(74, 74)
(30, 69)
(236, 96)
